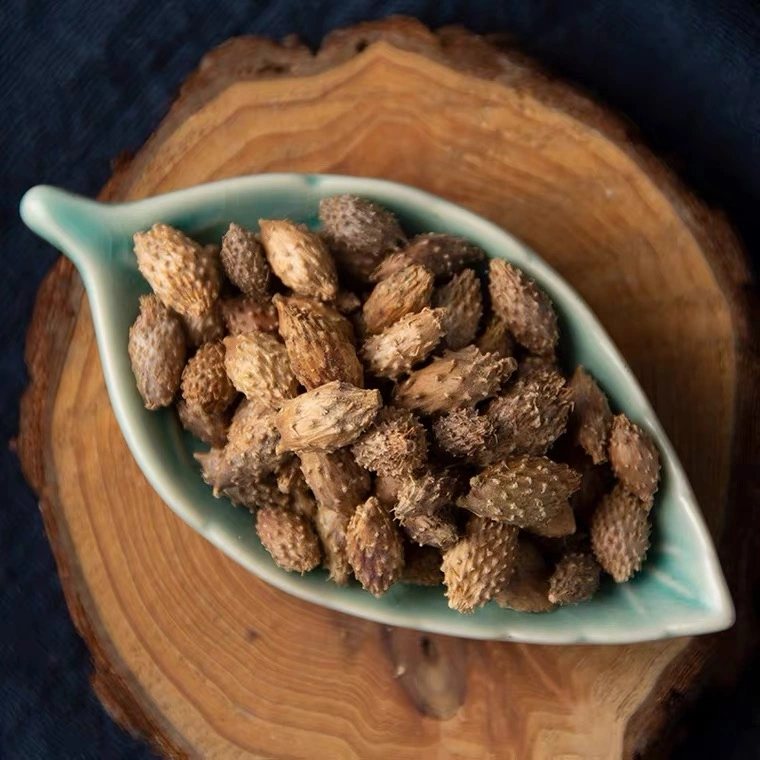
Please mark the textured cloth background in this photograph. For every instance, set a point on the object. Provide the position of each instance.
(83, 79)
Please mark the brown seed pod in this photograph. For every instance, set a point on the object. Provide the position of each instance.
(463, 302)
(458, 379)
(319, 342)
(337, 481)
(289, 538)
(407, 342)
(479, 565)
(443, 255)
(299, 258)
(374, 547)
(244, 315)
(157, 352)
(359, 232)
(562, 524)
(525, 491)
(210, 427)
(591, 416)
(206, 328)
(634, 458)
(332, 527)
(426, 493)
(575, 579)
(303, 503)
(327, 418)
(182, 274)
(438, 529)
(243, 260)
(395, 444)
(422, 565)
(258, 366)
(464, 432)
(387, 488)
(406, 292)
(289, 476)
(525, 308)
(496, 339)
(204, 380)
(620, 533)
(528, 588)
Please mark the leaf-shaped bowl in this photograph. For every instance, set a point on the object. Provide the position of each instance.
(681, 589)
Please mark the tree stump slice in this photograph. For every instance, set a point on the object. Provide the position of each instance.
(203, 659)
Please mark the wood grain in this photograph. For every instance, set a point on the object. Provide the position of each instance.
(203, 659)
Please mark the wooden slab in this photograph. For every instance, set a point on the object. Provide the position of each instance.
(203, 659)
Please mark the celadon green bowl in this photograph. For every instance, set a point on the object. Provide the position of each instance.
(681, 589)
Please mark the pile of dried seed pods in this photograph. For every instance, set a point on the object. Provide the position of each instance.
(388, 412)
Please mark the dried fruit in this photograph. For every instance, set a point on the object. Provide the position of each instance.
(479, 565)
(258, 366)
(426, 492)
(575, 579)
(182, 274)
(496, 339)
(319, 342)
(359, 232)
(157, 352)
(337, 481)
(525, 491)
(406, 292)
(243, 260)
(395, 444)
(634, 458)
(562, 524)
(407, 342)
(289, 475)
(244, 315)
(327, 418)
(525, 308)
(204, 380)
(528, 588)
(289, 538)
(620, 533)
(387, 488)
(438, 529)
(374, 547)
(464, 432)
(210, 427)
(205, 328)
(459, 379)
(463, 302)
(592, 418)
(299, 258)
(443, 255)
(422, 565)
(332, 527)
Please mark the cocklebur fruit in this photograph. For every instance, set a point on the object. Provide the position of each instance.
(426, 492)
(204, 380)
(337, 481)
(406, 292)
(464, 432)
(463, 303)
(634, 458)
(242, 258)
(205, 328)
(528, 588)
(332, 526)
(575, 579)
(437, 529)
(210, 427)
(244, 315)
(591, 415)
(289, 538)
(496, 338)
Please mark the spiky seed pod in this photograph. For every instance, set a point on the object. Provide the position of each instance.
(210, 427)
(332, 527)
(387, 488)
(289, 476)
(528, 588)
(244, 315)
(464, 432)
(496, 338)
(525, 491)
(438, 529)
(182, 274)
(405, 343)
(243, 260)
(532, 366)
(359, 232)
(157, 352)
(458, 379)
(444, 255)
(206, 328)
(634, 458)
(406, 292)
(530, 416)
(479, 564)
(299, 258)
(562, 524)
(204, 380)
(327, 418)
(347, 302)
(395, 444)
(337, 481)
(422, 565)
(302, 502)
(591, 416)
(289, 538)
(463, 302)
(319, 342)
(620, 533)
(525, 308)
(426, 492)
(575, 579)
(374, 547)
(258, 366)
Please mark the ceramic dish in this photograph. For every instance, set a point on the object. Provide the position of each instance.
(681, 589)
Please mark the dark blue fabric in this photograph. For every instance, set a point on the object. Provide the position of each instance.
(84, 79)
